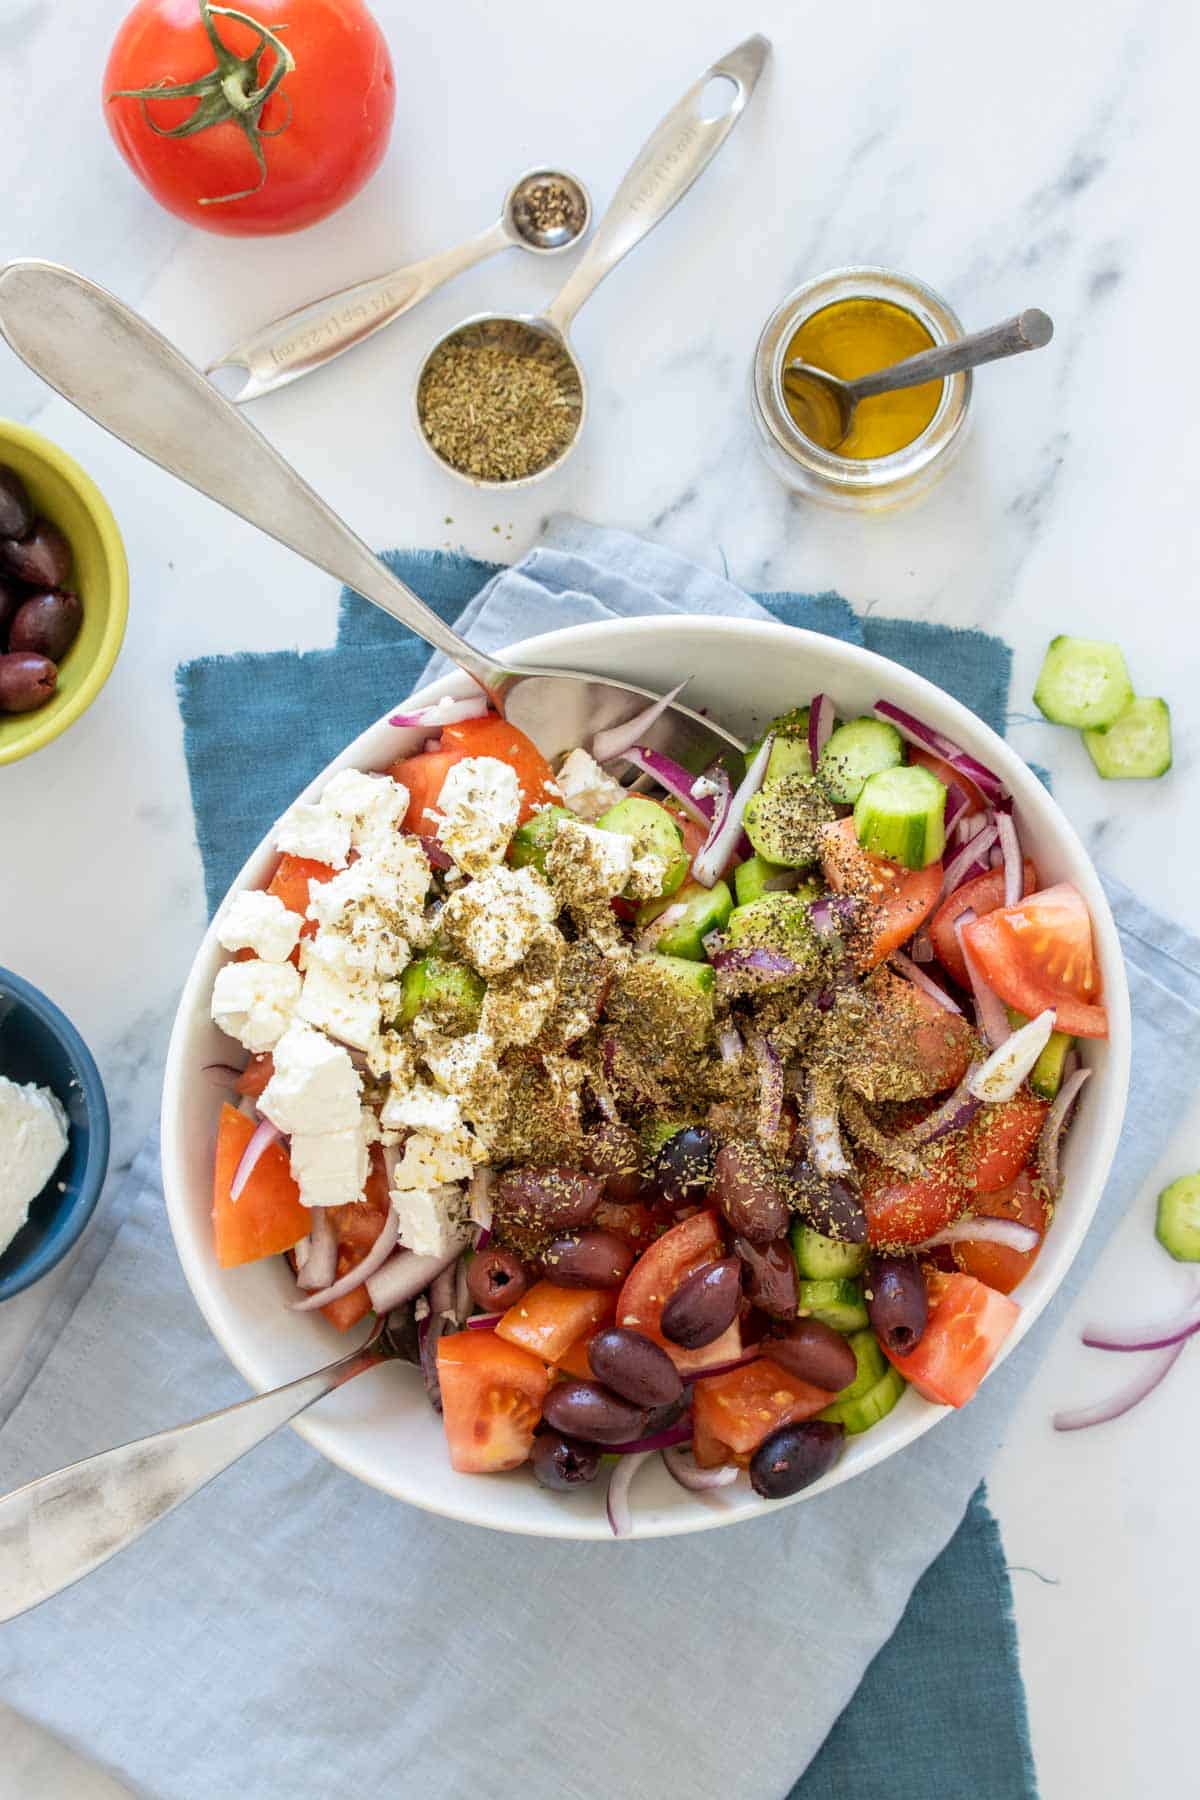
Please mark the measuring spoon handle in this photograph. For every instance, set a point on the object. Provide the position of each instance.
(313, 334)
(667, 165)
(1029, 330)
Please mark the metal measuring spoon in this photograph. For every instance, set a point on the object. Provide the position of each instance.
(313, 335)
(831, 402)
(667, 165)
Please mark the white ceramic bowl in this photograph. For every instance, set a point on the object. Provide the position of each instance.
(382, 1429)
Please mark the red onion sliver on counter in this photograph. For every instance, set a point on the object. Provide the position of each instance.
(1151, 1370)
(1014, 868)
(1147, 1337)
(682, 1466)
(320, 1265)
(770, 1083)
(607, 745)
(620, 1513)
(1055, 1123)
(1005, 1070)
(925, 982)
(375, 1258)
(822, 717)
(676, 780)
(261, 1138)
(443, 712)
(970, 861)
(985, 1230)
(989, 1008)
(917, 732)
(726, 827)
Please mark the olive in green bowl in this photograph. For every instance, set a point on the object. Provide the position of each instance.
(62, 493)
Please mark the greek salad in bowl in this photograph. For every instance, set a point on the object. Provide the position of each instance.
(657, 1111)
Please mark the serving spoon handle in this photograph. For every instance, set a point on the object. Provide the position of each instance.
(61, 1527)
(1030, 330)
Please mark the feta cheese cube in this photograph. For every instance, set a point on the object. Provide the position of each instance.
(379, 903)
(373, 805)
(433, 1221)
(259, 922)
(315, 831)
(586, 790)
(339, 995)
(420, 1108)
(254, 1001)
(647, 876)
(585, 864)
(479, 804)
(431, 1161)
(33, 1139)
(497, 918)
(315, 1087)
(330, 1166)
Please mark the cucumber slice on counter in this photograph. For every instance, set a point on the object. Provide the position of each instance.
(901, 814)
(1045, 1077)
(1083, 682)
(836, 1303)
(531, 840)
(865, 1410)
(1136, 746)
(821, 1258)
(786, 820)
(855, 751)
(1177, 1226)
(654, 833)
(449, 993)
(705, 910)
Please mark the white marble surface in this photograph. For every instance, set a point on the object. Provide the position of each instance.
(1045, 159)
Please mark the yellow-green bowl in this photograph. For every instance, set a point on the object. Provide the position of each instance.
(59, 488)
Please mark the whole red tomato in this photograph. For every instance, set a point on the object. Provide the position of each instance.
(250, 122)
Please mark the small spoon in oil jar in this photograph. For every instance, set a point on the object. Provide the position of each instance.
(829, 403)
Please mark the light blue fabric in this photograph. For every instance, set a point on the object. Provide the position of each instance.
(291, 1633)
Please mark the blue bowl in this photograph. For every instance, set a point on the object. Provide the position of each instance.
(39, 1043)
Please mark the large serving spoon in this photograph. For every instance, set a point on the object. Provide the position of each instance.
(115, 367)
(830, 403)
(62, 1526)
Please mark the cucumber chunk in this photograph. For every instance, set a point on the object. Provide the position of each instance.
(789, 753)
(786, 821)
(756, 877)
(531, 840)
(872, 1365)
(1045, 1077)
(449, 993)
(1136, 746)
(777, 922)
(821, 1258)
(865, 1410)
(855, 751)
(662, 1006)
(1083, 682)
(654, 833)
(1177, 1226)
(901, 814)
(836, 1303)
(705, 910)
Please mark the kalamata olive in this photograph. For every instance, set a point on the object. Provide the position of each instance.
(635, 1367)
(704, 1304)
(750, 1189)
(42, 558)
(26, 681)
(47, 624)
(611, 1149)
(683, 1167)
(541, 1199)
(661, 1418)
(813, 1351)
(769, 1277)
(16, 508)
(830, 1205)
(584, 1409)
(897, 1302)
(794, 1457)
(12, 596)
(496, 1278)
(588, 1259)
(563, 1462)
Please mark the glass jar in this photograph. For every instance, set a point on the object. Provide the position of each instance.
(865, 483)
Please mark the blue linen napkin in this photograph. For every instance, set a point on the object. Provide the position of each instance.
(291, 1632)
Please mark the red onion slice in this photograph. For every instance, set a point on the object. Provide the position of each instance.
(738, 969)
(925, 982)
(679, 1433)
(484, 1321)
(443, 712)
(985, 1230)
(729, 1043)
(770, 1083)
(1053, 1126)
(832, 913)
(676, 780)
(970, 861)
(1014, 867)
(608, 745)
(402, 1277)
(438, 858)
(375, 1258)
(726, 827)
(921, 948)
(958, 804)
(724, 1368)
(261, 1138)
(954, 1114)
(1148, 1337)
(917, 732)
(671, 915)
(479, 1197)
(620, 1513)
(824, 1132)
(222, 1075)
(320, 1265)
(1006, 1068)
(681, 1466)
(989, 1008)
(822, 717)
(1156, 1366)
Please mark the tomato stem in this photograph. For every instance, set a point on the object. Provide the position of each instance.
(231, 93)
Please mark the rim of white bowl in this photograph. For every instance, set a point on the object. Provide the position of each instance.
(688, 1512)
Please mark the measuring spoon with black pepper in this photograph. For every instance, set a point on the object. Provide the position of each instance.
(545, 211)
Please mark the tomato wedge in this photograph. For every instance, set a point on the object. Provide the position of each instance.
(656, 1275)
(996, 1264)
(1000, 1140)
(255, 1076)
(492, 1394)
(267, 1217)
(982, 896)
(734, 1412)
(424, 773)
(423, 776)
(911, 1047)
(968, 1322)
(948, 776)
(1039, 953)
(898, 900)
(549, 1318)
(291, 883)
(903, 1210)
